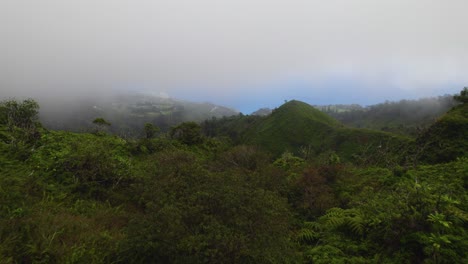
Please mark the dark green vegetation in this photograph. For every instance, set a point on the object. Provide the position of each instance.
(292, 187)
(447, 138)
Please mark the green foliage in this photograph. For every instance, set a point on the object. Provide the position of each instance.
(295, 125)
(463, 96)
(86, 164)
(312, 193)
(350, 219)
(418, 217)
(245, 157)
(407, 117)
(149, 146)
(232, 127)
(19, 114)
(101, 122)
(42, 219)
(290, 127)
(100, 125)
(205, 217)
(309, 233)
(151, 130)
(19, 127)
(188, 133)
(446, 140)
(87, 198)
(288, 161)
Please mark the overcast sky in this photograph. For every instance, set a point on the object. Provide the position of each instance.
(242, 53)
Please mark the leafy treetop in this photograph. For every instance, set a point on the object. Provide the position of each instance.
(101, 122)
(151, 130)
(19, 114)
(463, 96)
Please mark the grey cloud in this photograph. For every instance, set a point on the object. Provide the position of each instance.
(87, 46)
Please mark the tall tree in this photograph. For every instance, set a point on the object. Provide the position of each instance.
(188, 133)
(101, 124)
(150, 130)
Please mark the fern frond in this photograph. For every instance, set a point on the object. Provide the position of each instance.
(334, 218)
(353, 219)
(356, 225)
(313, 226)
(459, 214)
(307, 236)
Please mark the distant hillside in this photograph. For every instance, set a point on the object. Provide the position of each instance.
(407, 117)
(127, 113)
(296, 126)
(291, 126)
(262, 112)
(446, 139)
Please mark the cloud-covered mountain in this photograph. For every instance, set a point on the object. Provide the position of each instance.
(127, 112)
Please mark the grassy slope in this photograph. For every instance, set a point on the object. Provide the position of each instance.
(288, 127)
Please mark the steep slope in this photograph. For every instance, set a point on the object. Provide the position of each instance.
(291, 126)
(297, 125)
(446, 139)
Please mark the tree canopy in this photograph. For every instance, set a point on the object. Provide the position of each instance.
(19, 114)
(463, 96)
(185, 197)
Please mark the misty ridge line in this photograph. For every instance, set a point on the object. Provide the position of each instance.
(127, 112)
(356, 51)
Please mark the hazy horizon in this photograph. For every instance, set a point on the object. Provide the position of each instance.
(241, 54)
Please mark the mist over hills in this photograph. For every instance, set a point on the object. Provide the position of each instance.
(295, 126)
(407, 117)
(127, 112)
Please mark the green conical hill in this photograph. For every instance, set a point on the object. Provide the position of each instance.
(291, 126)
(299, 111)
(297, 125)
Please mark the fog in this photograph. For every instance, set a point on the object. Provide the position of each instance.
(244, 54)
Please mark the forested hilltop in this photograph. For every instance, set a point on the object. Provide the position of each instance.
(295, 186)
